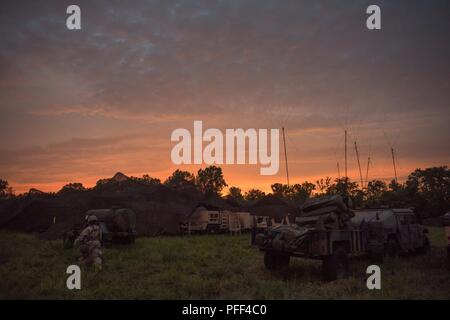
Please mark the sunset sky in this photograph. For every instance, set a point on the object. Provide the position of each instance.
(77, 106)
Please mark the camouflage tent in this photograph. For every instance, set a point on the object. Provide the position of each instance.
(273, 207)
(116, 220)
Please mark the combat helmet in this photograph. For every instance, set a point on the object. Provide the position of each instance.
(92, 219)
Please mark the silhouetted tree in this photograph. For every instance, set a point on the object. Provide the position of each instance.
(302, 191)
(429, 189)
(147, 180)
(74, 186)
(395, 186)
(180, 179)
(347, 188)
(235, 193)
(280, 190)
(322, 185)
(298, 192)
(254, 194)
(5, 189)
(210, 180)
(374, 192)
(342, 186)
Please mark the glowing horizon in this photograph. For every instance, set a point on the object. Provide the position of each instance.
(77, 106)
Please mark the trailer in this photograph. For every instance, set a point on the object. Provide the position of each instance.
(203, 220)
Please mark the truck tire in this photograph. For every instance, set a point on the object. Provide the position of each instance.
(274, 260)
(336, 266)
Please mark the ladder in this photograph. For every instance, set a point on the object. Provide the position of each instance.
(235, 224)
(225, 221)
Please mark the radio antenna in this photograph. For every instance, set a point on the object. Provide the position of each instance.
(359, 165)
(285, 157)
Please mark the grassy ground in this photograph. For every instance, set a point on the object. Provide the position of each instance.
(206, 267)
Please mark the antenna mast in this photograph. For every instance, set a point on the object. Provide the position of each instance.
(346, 155)
(339, 171)
(359, 165)
(367, 171)
(285, 157)
(393, 162)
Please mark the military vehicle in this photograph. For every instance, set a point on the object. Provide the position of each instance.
(260, 224)
(391, 232)
(118, 226)
(322, 231)
(328, 230)
(202, 220)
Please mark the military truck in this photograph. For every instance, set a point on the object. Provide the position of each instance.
(260, 224)
(118, 226)
(328, 230)
(391, 232)
(202, 220)
(322, 231)
(331, 246)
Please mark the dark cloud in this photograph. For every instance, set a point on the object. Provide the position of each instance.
(311, 66)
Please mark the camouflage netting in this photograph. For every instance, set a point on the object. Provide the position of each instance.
(116, 220)
(325, 212)
(158, 209)
(273, 207)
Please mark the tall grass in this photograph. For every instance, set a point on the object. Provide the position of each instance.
(206, 267)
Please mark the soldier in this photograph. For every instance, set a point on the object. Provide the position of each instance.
(90, 244)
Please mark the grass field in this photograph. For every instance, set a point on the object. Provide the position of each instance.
(206, 267)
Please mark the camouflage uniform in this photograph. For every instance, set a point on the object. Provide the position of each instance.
(90, 244)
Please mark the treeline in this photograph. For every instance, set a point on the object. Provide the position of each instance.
(426, 190)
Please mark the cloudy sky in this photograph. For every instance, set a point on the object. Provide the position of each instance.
(82, 105)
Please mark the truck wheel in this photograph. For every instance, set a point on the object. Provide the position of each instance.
(392, 248)
(275, 260)
(336, 266)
